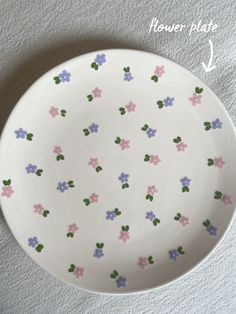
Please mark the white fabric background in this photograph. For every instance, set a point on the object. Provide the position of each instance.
(37, 35)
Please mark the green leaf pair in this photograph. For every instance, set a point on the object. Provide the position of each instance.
(86, 132)
(180, 250)
(45, 213)
(207, 126)
(145, 127)
(57, 80)
(149, 197)
(71, 268)
(63, 113)
(39, 248)
(154, 78)
(178, 216)
(185, 189)
(99, 245)
(60, 157)
(114, 274)
(125, 185)
(98, 168)
(125, 228)
(86, 201)
(90, 97)
(122, 110)
(71, 184)
(210, 162)
(160, 104)
(94, 66)
(198, 90)
(70, 235)
(206, 223)
(218, 195)
(156, 221)
(117, 211)
(118, 140)
(126, 69)
(146, 157)
(6, 182)
(39, 172)
(177, 140)
(29, 136)
(150, 260)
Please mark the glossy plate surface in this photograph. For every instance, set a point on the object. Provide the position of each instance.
(118, 171)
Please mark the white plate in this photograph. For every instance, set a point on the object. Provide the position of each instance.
(118, 171)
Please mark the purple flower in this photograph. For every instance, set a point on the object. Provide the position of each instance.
(168, 101)
(33, 241)
(121, 282)
(150, 216)
(98, 253)
(217, 124)
(212, 230)
(65, 76)
(31, 168)
(123, 177)
(128, 76)
(100, 59)
(20, 133)
(110, 215)
(93, 128)
(151, 132)
(173, 254)
(62, 186)
(185, 181)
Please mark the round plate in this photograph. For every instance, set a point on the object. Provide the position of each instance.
(118, 171)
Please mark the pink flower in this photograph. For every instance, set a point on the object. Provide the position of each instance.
(124, 144)
(79, 272)
(57, 150)
(7, 191)
(130, 107)
(226, 199)
(181, 147)
(151, 190)
(73, 228)
(142, 262)
(54, 111)
(124, 235)
(219, 162)
(160, 70)
(184, 220)
(195, 99)
(38, 208)
(97, 92)
(93, 162)
(154, 159)
(94, 198)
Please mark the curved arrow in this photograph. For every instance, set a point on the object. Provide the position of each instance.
(209, 67)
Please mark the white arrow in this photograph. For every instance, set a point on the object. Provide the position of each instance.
(209, 67)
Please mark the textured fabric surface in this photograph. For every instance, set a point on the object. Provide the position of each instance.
(37, 35)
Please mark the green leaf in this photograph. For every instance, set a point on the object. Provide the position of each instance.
(6, 182)
(150, 260)
(45, 213)
(39, 247)
(71, 268)
(118, 140)
(123, 228)
(127, 69)
(70, 235)
(198, 90)
(180, 250)
(98, 168)
(29, 136)
(218, 195)
(90, 97)
(122, 110)
(145, 127)
(185, 189)
(63, 113)
(99, 245)
(207, 125)
(126, 228)
(154, 78)
(177, 218)
(94, 65)
(117, 211)
(146, 158)
(57, 80)
(39, 172)
(177, 139)
(86, 201)
(210, 162)
(86, 132)
(62, 157)
(160, 104)
(114, 274)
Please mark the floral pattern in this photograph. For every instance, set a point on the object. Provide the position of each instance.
(215, 124)
(180, 145)
(98, 61)
(182, 219)
(124, 178)
(152, 217)
(225, 199)
(212, 230)
(159, 71)
(120, 280)
(93, 162)
(167, 102)
(143, 262)
(33, 169)
(58, 151)
(7, 190)
(63, 186)
(93, 128)
(98, 253)
(175, 253)
(112, 214)
(127, 74)
(196, 98)
(93, 198)
(130, 107)
(123, 143)
(152, 159)
(149, 131)
(63, 77)
(151, 191)
(34, 243)
(39, 209)
(72, 229)
(22, 134)
(77, 271)
(96, 93)
(217, 162)
(54, 112)
(185, 182)
(124, 233)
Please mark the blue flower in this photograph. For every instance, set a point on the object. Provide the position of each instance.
(98, 253)
(150, 215)
(185, 181)
(173, 254)
(65, 76)
(20, 133)
(93, 128)
(62, 186)
(110, 215)
(212, 230)
(128, 76)
(123, 177)
(151, 132)
(100, 59)
(168, 101)
(31, 168)
(217, 124)
(121, 282)
(33, 241)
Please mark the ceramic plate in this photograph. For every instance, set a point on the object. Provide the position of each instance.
(118, 171)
